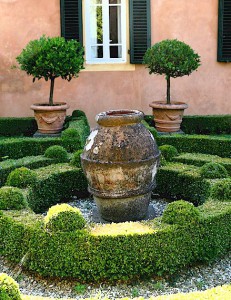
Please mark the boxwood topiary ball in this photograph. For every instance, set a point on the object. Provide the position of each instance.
(180, 212)
(213, 170)
(12, 198)
(21, 177)
(9, 289)
(168, 152)
(71, 139)
(63, 217)
(221, 190)
(57, 153)
(76, 159)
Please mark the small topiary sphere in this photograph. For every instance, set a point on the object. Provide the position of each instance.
(180, 212)
(71, 139)
(57, 153)
(63, 217)
(12, 198)
(9, 289)
(21, 177)
(76, 159)
(213, 170)
(222, 190)
(168, 152)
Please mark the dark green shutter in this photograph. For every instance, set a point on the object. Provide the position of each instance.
(224, 31)
(71, 19)
(140, 29)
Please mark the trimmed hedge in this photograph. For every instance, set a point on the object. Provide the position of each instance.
(198, 143)
(21, 177)
(17, 126)
(55, 183)
(31, 162)
(12, 198)
(118, 251)
(199, 159)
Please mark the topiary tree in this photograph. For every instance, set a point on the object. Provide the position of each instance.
(12, 198)
(57, 153)
(171, 58)
(9, 289)
(63, 217)
(50, 58)
(180, 212)
(71, 139)
(213, 170)
(21, 177)
(168, 152)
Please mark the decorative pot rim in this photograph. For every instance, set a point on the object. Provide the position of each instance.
(119, 117)
(46, 107)
(164, 105)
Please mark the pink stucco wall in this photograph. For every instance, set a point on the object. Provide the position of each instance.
(207, 91)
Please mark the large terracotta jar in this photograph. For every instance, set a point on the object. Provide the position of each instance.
(168, 117)
(50, 119)
(120, 161)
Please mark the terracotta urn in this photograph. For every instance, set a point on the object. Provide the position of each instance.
(120, 161)
(168, 117)
(50, 119)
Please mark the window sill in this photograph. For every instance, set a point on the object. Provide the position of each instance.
(108, 67)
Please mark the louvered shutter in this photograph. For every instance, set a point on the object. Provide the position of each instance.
(224, 31)
(71, 19)
(140, 29)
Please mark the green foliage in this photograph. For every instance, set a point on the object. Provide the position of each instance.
(12, 198)
(172, 58)
(31, 162)
(58, 153)
(168, 152)
(21, 147)
(214, 145)
(213, 170)
(71, 139)
(221, 190)
(211, 124)
(9, 289)
(80, 288)
(21, 177)
(150, 128)
(180, 212)
(17, 126)
(54, 184)
(76, 159)
(63, 217)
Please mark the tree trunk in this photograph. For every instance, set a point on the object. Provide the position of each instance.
(51, 91)
(168, 90)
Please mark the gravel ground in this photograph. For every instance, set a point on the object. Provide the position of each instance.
(200, 277)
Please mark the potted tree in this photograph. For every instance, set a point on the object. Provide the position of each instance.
(173, 59)
(50, 58)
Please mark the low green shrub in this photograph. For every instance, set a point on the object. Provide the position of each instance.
(71, 139)
(198, 143)
(9, 288)
(199, 159)
(58, 153)
(221, 190)
(21, 177)
(180, 212)
(17, 126)
(31, 162)
(168, 152)
(76, 159)
(54, 184)
(21, 147)
(12, 198)
(213, 170)
(63, 217)
(150, 128)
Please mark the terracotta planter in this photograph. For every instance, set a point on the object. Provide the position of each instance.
(168, 117)
(120, 161)
(50, 119)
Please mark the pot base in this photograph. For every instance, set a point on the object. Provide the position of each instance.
(123, 209)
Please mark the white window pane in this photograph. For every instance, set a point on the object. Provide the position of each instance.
(96, 25)
(97, 51)
(114, 1)
(115, 51)
(115, 24)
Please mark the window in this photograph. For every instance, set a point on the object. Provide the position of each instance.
(106, 30)
(224, 31)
